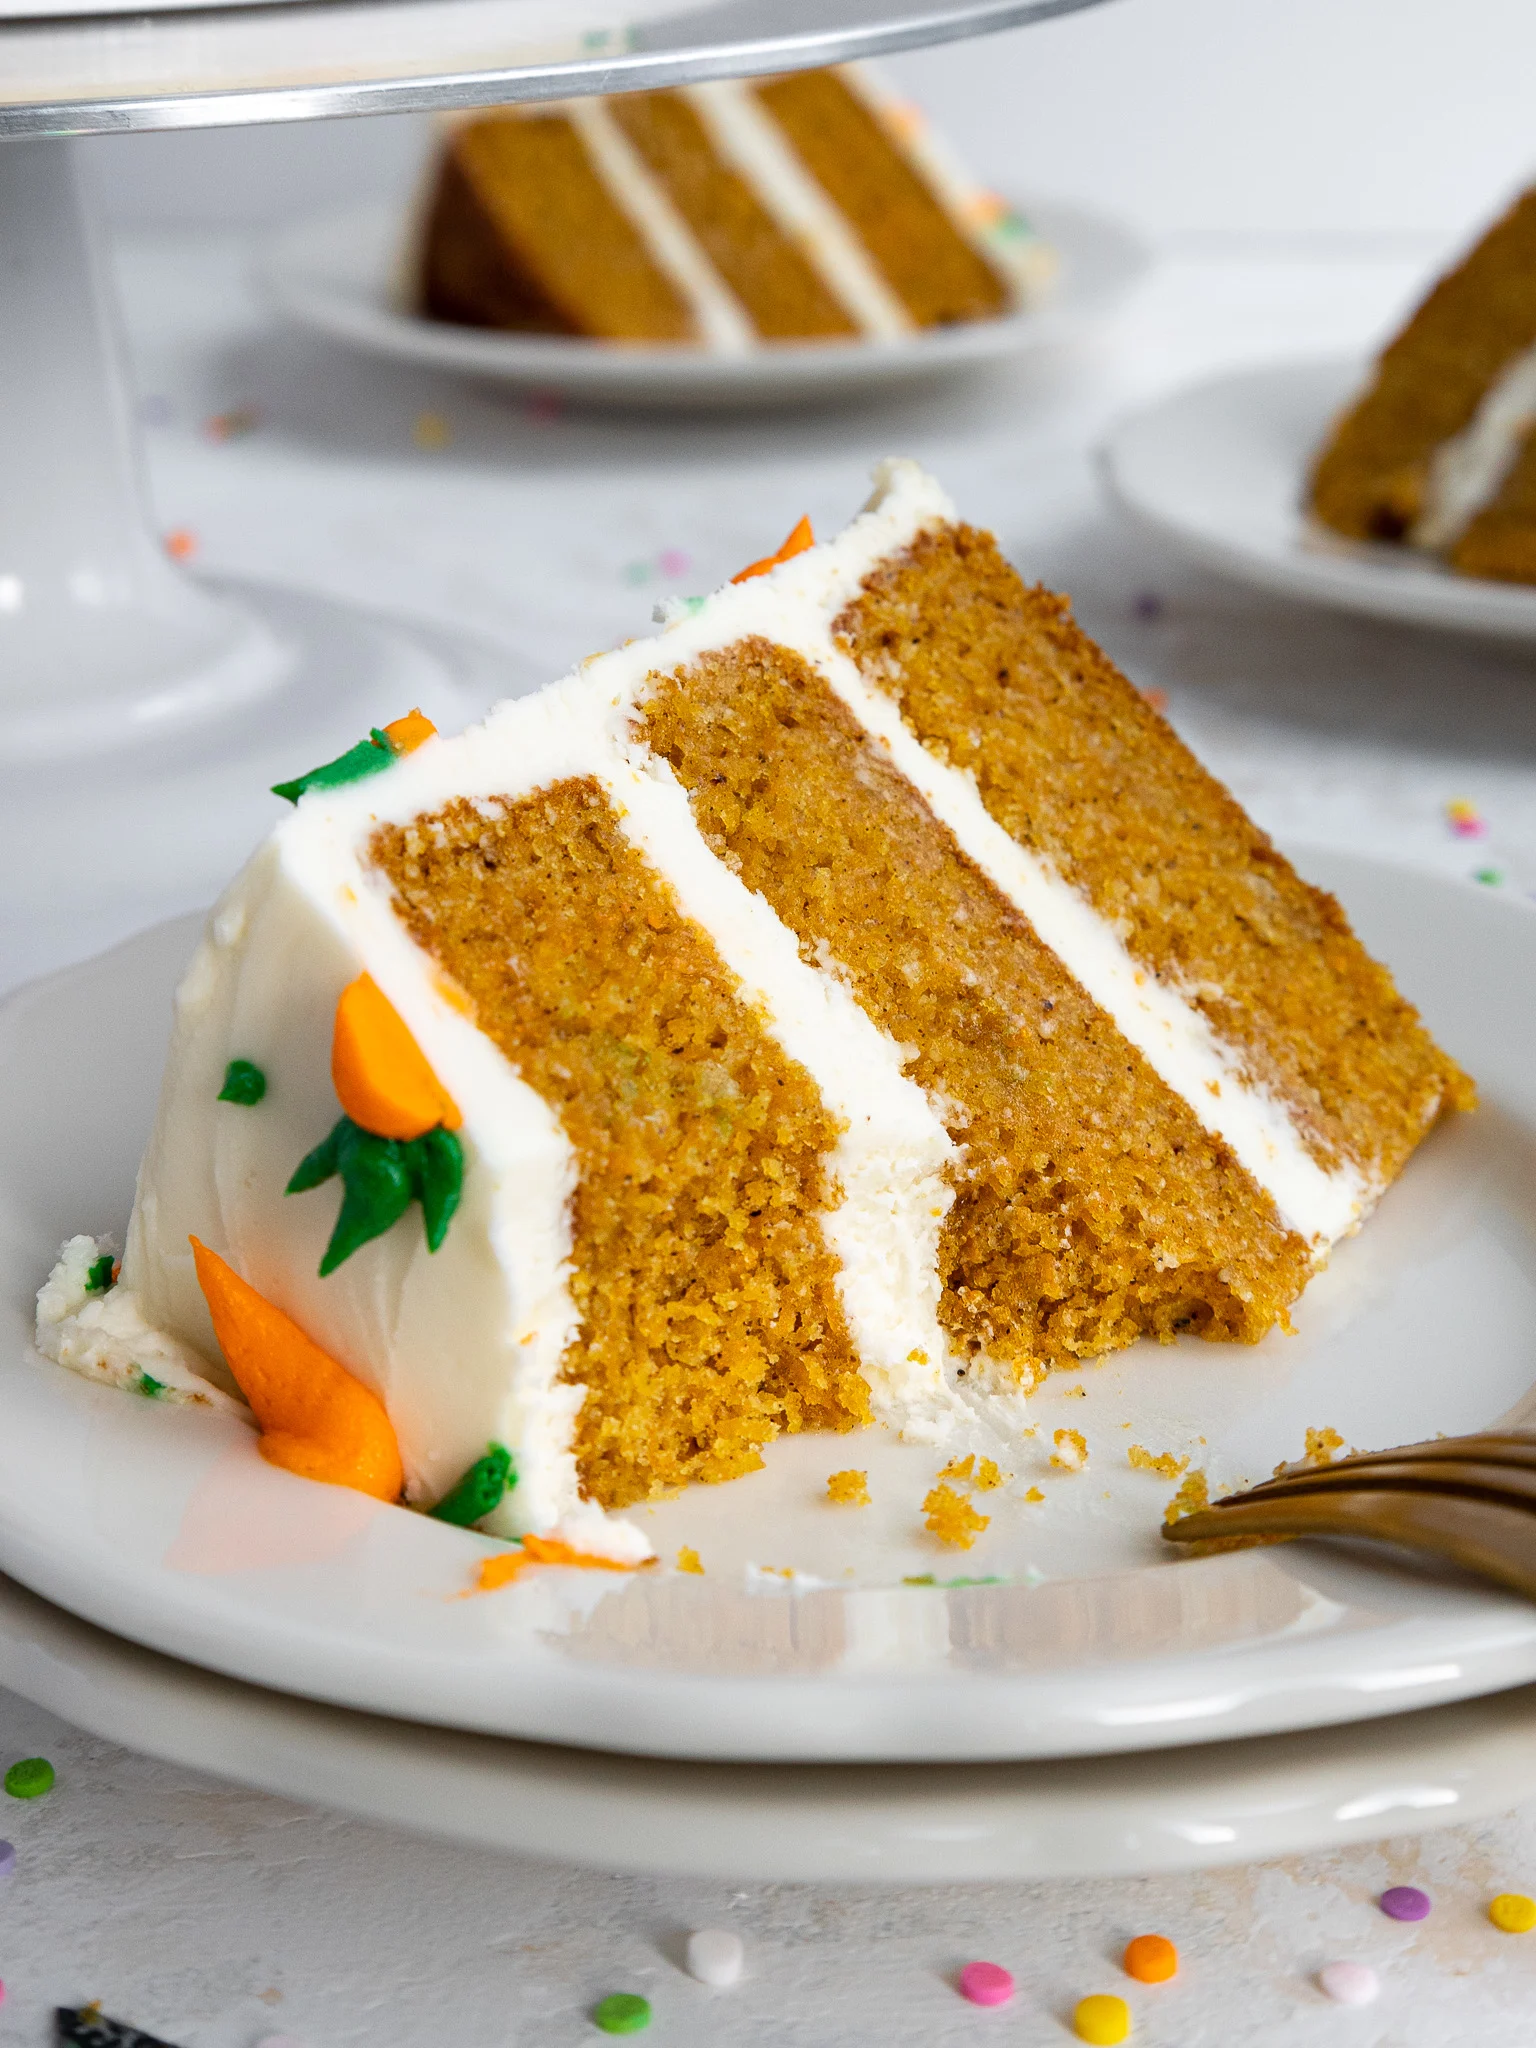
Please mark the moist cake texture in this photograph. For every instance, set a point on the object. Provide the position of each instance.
(853, 1003)
(1438, 451)
(730, 215)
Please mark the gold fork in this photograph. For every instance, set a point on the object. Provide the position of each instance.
(1471, 1499)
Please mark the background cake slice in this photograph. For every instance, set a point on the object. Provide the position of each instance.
(851, 1004)
(1438, 451)
(729, 215)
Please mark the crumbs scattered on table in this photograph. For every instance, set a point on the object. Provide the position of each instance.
(1512, 1913)
(1322, 1444)
(959, 1468)
(716, 1957)
(1191, 1497)
(1150, 1959)
(688, 1561)
(1102, 2019)
(431, 430)
(1405, 1902)
(1349, 1983)
(1077, 1393)
(1034, 1494)
(848, 1489)
(1163, 1463)
(985, 1984)
(30, 1778)
(622, 2012)
(1071, 1452)
(950, 1517)
(1465, 819)
(181, 543)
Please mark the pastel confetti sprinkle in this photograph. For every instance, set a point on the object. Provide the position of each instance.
(986, 1984)
(181, 543)
(623, 2012)
(1513, 1913)
(234, 424)
(674, 562)
(30, 1778)
(716, 1957)
(1489, 877)
(1405, 1902)
(543, 407)
(1350, 1983)
(7, 1860)
(1158, 699)
(1465, 819)
(1147, 605)
(1151, 1959)
(1103, 2019)
(431, 430)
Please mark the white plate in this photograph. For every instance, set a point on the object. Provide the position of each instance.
(1170, 1809)
(1219, 470)
(165, 1525)
(337, 273)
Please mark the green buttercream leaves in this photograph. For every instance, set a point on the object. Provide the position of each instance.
(244, 1082)
(380, 1179)
(484, 1486)
(369, 757)
(99, 1277)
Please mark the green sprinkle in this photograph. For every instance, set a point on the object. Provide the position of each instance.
(380, 1178)
(149, 1385)
(30, 1779)
(625, 2012)
(369, 757)
(484, 1486)
(692, 605)
(921, 1579)
(1491, 876)
(244, 1082)
(944, 1585)
(99, 1277)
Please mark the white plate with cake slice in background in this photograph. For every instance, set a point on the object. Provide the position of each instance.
(339, 275)
(777, 1623)
(1219, 471)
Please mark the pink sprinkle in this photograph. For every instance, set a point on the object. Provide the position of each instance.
(544, 406)
(1465, 819)
(674, 562)
(1350, 1983)
(986, 1984)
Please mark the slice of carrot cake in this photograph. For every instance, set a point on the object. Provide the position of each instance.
(851, 1002)
(1440, 450)
(726, 215)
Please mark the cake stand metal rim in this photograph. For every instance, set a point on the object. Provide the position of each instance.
(268, 99)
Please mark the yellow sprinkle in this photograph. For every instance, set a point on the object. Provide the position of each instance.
(990, 1475)
(849, 1489)
(688, 1561)
(431, 430)
(959, 1468)
(1166, 1465)
(950, 1516)
(1102, 2019)
(1513, 1913)
(1071, 1452)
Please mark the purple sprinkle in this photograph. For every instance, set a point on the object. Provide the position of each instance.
(1405, 1902)
(1148, 605)
(7, 1860)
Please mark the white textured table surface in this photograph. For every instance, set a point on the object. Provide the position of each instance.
(216, 1917)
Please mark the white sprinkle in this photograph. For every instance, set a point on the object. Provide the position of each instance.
(1349, 1983)
(715, 1957)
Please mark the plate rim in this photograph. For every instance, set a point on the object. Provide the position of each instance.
(1340, 575)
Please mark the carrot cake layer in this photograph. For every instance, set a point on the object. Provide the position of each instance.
(1437, 451)
(850, 1003)
(730, 215)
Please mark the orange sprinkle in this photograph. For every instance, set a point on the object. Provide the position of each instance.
(508, 1565)
(316, 1419)
(1151, 1959)
(181, 544)
(799, 540)
(381, 1075)
(406, 734)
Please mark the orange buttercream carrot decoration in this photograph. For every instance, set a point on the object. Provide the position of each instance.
(316, 1419)
(508, 1565)
(801, 539)
(406, 734)
(381, 1074)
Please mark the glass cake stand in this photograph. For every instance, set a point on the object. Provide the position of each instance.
(142, 707)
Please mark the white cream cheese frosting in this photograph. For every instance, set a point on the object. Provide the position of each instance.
(466, 1346)
(1467, 472)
